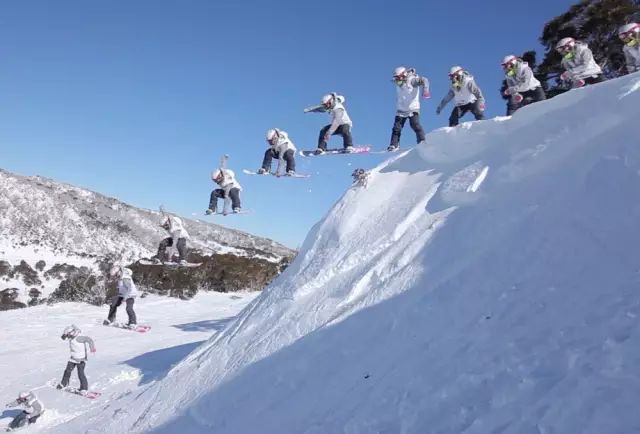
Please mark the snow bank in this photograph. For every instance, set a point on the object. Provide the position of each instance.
(485, 282)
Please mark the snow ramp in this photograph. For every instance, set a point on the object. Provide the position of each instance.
(484, 282)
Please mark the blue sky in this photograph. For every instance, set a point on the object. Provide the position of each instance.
(139, 99)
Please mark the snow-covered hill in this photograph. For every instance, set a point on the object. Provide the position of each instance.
(44, 223)
(486, 282)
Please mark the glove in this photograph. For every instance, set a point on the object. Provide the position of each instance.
(481, 107)
(517, 98)
(93, 351)
(508, 91)
(578, 83)
(426, 94)
(565, 76)
(438, 110)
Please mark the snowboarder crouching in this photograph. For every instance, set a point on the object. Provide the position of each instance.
(229, 189)
(79, 356)
(577, 60)
(178, 237)
(466, 95)
(32, 410)
(282, 148)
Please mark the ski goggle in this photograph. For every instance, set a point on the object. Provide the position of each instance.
(565, 49)
(509, 66)
(456, 76)
(327, 104)
(629, 38)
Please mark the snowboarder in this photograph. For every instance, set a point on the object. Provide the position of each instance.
(32, 410)
(282, 148)
(178, 237)
(522, 86)
(629, 34)
(577, 60)
(466, 95)
(341, 124)
(408, 84)
(127, 292)
(229, 189)
(79, 356)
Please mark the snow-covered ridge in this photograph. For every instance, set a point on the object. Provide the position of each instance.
(44, 220)
(485, 282)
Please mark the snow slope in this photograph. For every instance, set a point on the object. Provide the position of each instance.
(483, 283)
(32, 353)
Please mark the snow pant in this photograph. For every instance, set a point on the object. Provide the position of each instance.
(461, 110)
(117, 301)
(168, 242)
(528, 97)
(288, 157)
(219, 193)
(22, 419)
(398, 124)
(67, 375)
(343, 130)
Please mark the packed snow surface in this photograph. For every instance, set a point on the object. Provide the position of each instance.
(484, 282)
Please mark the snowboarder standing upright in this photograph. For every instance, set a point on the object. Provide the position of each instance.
(282, 148)
(229, 189)
(578, 61)
(629, 34)
(178, 237)
(466, 95)
(408, 84)
(127, 291)
(523, 88)
(79, 356)
(32, 410)
(341, 124)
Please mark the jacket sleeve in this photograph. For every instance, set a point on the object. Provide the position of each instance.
(86, 340)
(584, 60)
(446, 100)
(337, 121)
(315, 109)
(630, 61)
(422, 82)
(475, 90)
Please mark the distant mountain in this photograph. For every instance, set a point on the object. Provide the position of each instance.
(50, 231)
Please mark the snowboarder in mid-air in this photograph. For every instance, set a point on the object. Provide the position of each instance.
(178, 237)
(79, 356)
(127, 292)
(408, 84)
(629, 34)
(523, 88)
(282, 148)
(466, 95)
(32, 410)
(341, 124)
(578, 61)
(229, 189)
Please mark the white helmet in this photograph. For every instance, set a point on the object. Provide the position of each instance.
(217, 175)
(565, 45)
(127, 273)
(328, 100)
(400, 72)
(272, 134)
(629, 32)
(24, 396)
(71, 332)
(509, 62)
(455, 71)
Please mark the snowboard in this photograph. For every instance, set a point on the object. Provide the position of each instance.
(140, 328)
(224, 214)
(91, 394)
(295, 175)
(333, 151)
(170, 264)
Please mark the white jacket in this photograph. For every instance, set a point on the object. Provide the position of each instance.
(523, 79)
(408, 94)
(228, 181)
(339, 115)
(127, 289)
(283, 144)
(581, 65)
(632, 57)
(467, 93)
(78, 348)
(33, 407)
(176, 230)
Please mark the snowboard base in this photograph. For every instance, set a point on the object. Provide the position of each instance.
(333, 151)
(140, 328)
(295, 175)
(169, 263)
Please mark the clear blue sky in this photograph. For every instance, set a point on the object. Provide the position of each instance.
(139, 99)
